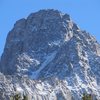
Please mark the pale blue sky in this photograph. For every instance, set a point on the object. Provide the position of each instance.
(86, 13)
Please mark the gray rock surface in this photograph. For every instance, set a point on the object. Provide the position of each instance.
(49, 57)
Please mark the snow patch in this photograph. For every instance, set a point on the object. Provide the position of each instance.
(19, 89)
(54, 43)
(49, 58)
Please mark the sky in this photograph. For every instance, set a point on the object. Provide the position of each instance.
(86, 13)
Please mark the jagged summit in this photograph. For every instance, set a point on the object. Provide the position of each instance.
(54, 55)
(49, 13)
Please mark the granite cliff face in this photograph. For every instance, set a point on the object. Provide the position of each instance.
(50, 58)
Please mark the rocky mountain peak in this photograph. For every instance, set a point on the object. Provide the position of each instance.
(46, 30)
(49, 47)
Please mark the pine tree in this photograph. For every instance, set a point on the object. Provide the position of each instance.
(25, 97)
(87, 97)
(15, 97)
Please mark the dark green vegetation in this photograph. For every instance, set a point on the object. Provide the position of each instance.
(25, 97)
(87, 97)
(19, 97)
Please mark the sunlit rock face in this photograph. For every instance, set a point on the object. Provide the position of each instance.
(49, 57)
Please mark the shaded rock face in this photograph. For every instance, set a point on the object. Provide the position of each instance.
(33, 36)
(49, 47)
